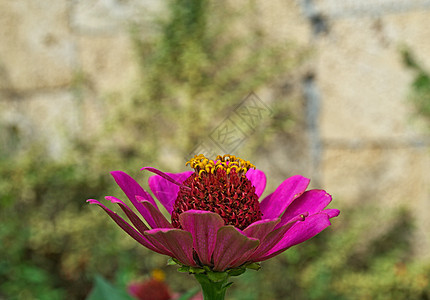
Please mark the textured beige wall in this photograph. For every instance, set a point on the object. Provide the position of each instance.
(374, 148)
(368, 146)
(58, 59)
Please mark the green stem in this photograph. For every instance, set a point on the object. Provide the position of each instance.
(212, 290)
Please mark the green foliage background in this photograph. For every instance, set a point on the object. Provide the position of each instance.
(420, 89)
(192, 72)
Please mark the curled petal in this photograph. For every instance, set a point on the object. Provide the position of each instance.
(135, 220)
(130, 230)
(275, 204)
(261, 229)
(331, 212)
(159, 221)
(258, 179)
(166, 191)
(203, 226)
(132, 189)
(232, 248)
(178, 242)
(312, 202)
(165, 176)
(299, 233)
(273, 238)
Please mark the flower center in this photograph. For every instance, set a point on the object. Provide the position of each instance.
(219, 186)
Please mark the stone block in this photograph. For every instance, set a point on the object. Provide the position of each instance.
(412, 30)
(387, 177)
(363, 8)
(108, 63)
(283, 22)
(36, 48)
(112, 16)
(364, 84)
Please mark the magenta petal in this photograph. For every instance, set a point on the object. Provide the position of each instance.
(163, 174)
(132, 189)
(272, 239)
(135, 220)
(166, 191)
(129, 229)
(231, 248)
(331, 212)
(258, 180)
(177, 241)
(276, 203)
(260, 229)
(299, 233)
(312, 202)
(266, 199)
(203, 226)
(159, 220)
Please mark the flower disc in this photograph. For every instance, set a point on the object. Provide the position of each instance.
(231, 195)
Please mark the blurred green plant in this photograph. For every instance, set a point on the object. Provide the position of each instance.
(207, 57)
(103, 290)
(420, 87)
(369, 256)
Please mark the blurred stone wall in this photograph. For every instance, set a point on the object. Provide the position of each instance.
(365, 143)
(58, 59)
(374, 148)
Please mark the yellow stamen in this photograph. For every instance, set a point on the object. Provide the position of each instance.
(227, 162)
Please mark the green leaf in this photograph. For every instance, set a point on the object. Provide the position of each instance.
(194, 270)
(103, 290)
(217, 276)
(236, 272)
(188, 295)
(254, 266)
(171, 262)
(184, 269)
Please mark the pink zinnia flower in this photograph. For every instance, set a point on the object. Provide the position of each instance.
(217, 221)
(155, 288)
(151, 289)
